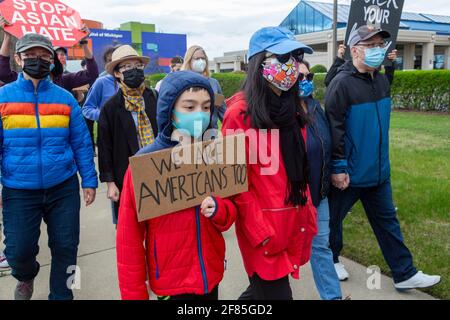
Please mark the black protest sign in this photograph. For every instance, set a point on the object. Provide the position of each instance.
(174, 179)
(384, 14)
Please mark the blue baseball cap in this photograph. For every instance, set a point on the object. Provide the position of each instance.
(277, 40)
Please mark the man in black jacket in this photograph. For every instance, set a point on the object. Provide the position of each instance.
(358, 106)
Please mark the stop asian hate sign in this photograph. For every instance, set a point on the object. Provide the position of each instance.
(50, 18)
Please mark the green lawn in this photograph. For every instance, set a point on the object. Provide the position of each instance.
(420, 156)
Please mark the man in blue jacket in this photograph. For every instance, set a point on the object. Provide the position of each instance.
(358, 106)
(44, 143)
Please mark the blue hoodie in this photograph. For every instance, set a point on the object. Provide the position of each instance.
(172, 88)
(101, 91)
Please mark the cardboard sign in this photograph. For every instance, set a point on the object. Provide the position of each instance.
(384, 14)
(171, 180)
(219, 99)
(50, 18)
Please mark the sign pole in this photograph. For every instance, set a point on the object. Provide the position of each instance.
(334, 47)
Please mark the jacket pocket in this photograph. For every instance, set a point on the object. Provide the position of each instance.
(282, 221)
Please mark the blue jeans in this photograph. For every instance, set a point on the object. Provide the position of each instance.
(325, 276)
(380, 211)
(23, 212)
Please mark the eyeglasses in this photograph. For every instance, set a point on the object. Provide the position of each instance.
(309, 76)
(372, 45)
(127, 67)
(45, 57)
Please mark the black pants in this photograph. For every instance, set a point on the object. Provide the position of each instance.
(90, 125)
(260, 289)
(213, 295)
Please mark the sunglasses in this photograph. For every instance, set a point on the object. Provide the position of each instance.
(297, 55)
(308, 77)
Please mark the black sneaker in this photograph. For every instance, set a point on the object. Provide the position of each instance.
(24, 290)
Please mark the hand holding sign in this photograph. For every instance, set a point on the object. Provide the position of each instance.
(50, 18)
(208, 207)
(392, 55)
(3, 22)
(85, 29)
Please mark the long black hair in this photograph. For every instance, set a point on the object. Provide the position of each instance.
(256, 90)
(293, 147)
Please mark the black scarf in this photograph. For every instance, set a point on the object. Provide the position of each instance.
(283, 112)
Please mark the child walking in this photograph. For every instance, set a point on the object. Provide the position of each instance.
(182, 253)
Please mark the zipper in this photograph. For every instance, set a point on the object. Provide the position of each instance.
(322, 185)
(156, 259)
(36, 107)
(199, 246)
(381, 135)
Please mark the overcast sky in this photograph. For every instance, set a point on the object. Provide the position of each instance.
(217, 25)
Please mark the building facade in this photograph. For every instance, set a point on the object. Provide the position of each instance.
(423, 40)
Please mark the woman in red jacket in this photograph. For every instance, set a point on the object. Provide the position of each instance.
(276, 220)
(183, 253)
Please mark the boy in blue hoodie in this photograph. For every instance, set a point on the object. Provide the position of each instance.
(183, 253)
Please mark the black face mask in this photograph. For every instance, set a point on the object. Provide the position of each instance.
(36, 68)
(133, 78)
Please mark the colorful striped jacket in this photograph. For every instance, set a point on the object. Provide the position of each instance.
(44, 139)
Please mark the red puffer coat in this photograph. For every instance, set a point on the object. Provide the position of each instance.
(181, 253)
(262, 212)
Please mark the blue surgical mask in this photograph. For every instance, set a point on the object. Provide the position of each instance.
(195, 123)
(374, 56)
(306, 88)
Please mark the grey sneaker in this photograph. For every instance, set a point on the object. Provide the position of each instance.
(24, 290)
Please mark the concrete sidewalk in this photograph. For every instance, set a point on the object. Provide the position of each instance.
(99, 275)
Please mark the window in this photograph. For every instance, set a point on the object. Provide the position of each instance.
(327, 23)
(301, 18)
(309, 19)
(318, 21)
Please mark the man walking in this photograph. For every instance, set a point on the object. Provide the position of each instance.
(44, 142)
(358, 105)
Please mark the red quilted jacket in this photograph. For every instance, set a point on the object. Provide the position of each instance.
(180, 253)
(262, 212)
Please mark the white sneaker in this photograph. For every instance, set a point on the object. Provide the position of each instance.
(419, 281)
(3, 262)
(341, 272)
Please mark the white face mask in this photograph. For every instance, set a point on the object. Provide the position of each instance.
(199, 65)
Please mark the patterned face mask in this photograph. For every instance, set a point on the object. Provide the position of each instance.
(282, 75)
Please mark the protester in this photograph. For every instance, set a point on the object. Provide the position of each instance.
(68, 81)
(175, 65)
(127, 122)
(61, 53)
(319, 157)
(276, 220)
(196, 60)
(107, 56)
(44, 143)
(339, 62)
(182, 254)
(358, 106)
(101, 91)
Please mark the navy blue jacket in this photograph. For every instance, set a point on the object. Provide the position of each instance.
(319, 134)
(172, 88)
(358, 108)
